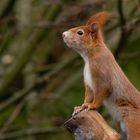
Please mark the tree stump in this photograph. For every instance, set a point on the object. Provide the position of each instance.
(90, 126)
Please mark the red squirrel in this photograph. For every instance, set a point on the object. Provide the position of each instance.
(104, 77)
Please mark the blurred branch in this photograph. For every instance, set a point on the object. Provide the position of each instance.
(27, 52)
(44, 24)
(120, 11)
(60, 66)
(7, 19)
(12, 117)
(7, 7)
(67, 84)
(130, 55)
(17, 66)
(32, 131)
(123, 35)
(134, 24)
(138, 5)
(50, 25)
(126, 29)
(26, 90)
(136, 8)
(15, 97)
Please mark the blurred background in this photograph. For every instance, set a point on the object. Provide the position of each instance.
(40, 77)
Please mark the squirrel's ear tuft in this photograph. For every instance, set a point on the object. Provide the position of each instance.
(100, 19)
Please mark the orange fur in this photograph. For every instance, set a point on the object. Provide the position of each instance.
(101, 18)
(104, 77)
(88, 95)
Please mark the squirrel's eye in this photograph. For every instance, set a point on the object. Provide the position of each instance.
(80, 33)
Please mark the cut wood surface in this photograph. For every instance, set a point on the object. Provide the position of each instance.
(90, 126)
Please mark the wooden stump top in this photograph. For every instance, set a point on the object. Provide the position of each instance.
(90, 126)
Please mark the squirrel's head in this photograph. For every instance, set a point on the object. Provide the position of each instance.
(88, 36)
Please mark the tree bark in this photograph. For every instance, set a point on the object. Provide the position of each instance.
(90, 126)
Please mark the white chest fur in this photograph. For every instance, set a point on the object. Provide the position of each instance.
(87, 75)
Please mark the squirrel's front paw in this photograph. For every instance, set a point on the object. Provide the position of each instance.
(88, 106)
(78, 109)
(85, 106)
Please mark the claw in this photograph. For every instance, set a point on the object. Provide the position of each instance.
(86, 110)
(77, 110)
(85, 107)
(74, 113)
